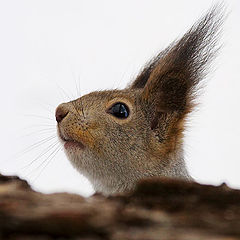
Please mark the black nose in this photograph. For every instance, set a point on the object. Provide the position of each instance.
(61, 112)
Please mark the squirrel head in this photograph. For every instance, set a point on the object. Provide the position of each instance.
(118, 137)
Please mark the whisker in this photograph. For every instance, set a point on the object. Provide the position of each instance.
(74, 106)
(48, 110)
(44, 152)
(80, 99)
(76, 85)
(42, 131)
(37, 144)
(65, 93)
(80, 117)
(39, 165)
(61, 92)
(47, 103)
(47, 164)
(48, 159)
(40, 125)
(38, 116)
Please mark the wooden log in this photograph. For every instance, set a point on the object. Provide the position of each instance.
(158, 209)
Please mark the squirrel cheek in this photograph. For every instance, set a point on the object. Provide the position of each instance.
(86, 137)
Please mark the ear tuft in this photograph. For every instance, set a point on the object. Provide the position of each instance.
(171, 79)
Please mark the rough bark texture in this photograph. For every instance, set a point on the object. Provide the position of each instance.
(157, 209)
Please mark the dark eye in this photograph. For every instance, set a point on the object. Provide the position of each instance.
(119, 110)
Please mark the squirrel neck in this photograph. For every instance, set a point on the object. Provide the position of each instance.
(116, 180)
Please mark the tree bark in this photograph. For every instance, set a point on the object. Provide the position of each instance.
(158, 209)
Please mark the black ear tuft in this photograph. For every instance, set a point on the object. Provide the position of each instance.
(143, 76)
(170, 80)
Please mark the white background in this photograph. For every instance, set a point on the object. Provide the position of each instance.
(49, 46)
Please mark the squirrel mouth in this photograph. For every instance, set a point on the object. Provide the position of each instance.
(73, 144)
(70, 143)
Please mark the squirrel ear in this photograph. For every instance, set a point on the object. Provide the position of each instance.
(171, 79)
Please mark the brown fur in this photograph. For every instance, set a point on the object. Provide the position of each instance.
(115, 153)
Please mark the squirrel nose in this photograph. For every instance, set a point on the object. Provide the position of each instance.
(61, 112)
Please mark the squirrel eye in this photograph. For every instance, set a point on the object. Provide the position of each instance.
(119, 110)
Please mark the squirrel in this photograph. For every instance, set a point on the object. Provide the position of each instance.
(116, 138)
